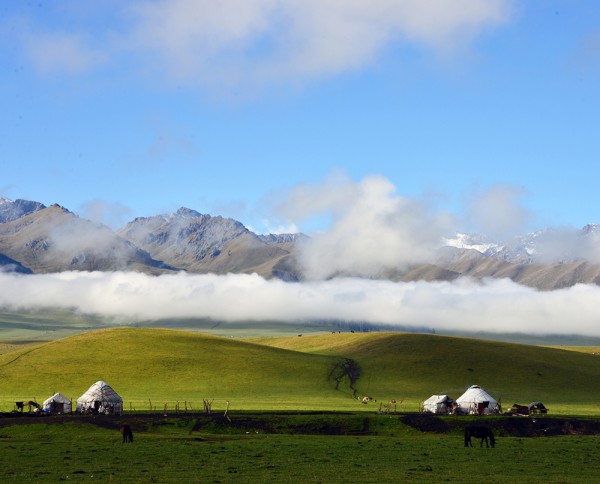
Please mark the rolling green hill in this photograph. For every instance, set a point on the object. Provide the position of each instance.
(414, 366)
(167, 366)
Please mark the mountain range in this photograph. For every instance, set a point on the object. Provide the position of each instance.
(35, 238)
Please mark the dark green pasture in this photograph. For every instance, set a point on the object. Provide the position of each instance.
(190, 450)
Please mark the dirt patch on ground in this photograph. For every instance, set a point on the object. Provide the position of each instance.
(508, 426)
(426, 423)
(142, 421)
(538, 427)
(322, 423)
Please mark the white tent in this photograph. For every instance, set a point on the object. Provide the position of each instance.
(57, 403)
(100, 398)
(437, 404)
(476, 401)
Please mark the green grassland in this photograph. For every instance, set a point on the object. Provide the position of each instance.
(413, 366)
(179, 452)
(158, 366)
(288, 422)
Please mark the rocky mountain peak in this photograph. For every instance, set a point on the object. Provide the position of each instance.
(13, 209)
(590, 229)
(187, 213)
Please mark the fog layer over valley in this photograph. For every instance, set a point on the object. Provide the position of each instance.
(465, 304)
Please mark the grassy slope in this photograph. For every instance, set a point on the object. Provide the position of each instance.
(165, 365)
(292, 372)
(594, 350)
(414, 366)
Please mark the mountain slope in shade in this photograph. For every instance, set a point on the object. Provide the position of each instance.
(54, 240)
(201, 243)
(14, 209)
(10, 265)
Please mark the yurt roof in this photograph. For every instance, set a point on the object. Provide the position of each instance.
(100, 391)
(433, 399)
(476, 394)
(57, 397)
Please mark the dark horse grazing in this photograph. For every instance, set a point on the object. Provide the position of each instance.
(126, 433)
(482, 433)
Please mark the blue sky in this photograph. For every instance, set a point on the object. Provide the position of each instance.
(120, 109)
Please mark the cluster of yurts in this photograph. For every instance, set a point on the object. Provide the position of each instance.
(475, 401)
(100, 398)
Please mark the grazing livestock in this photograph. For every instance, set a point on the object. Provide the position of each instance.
(482, 433)
(126, 433)
(525, 410)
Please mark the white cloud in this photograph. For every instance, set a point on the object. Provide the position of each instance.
(111, 214)
(69, 52)
(260, 41)
(252, 43)
(559, 244)
(372, 228)
(270, 228)
(493, 305)
(499, 213)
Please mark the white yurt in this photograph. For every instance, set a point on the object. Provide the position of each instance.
(100, 398)
(476, 401)
(437, 404)
(57, 403)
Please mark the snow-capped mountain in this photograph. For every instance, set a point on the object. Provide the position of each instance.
(472, 241)
(550, 245)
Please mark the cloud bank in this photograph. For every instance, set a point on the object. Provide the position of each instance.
(492, 305)
(567, 244)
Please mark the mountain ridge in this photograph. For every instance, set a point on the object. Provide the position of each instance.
(38, 239)
(201, 243)
(53, 239)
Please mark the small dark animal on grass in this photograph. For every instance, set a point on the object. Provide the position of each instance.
(126, 433)
(482, 433)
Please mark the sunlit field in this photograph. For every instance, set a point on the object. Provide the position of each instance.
(151, 368)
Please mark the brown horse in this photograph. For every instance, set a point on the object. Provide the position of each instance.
(126, 433)
(482, 433)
